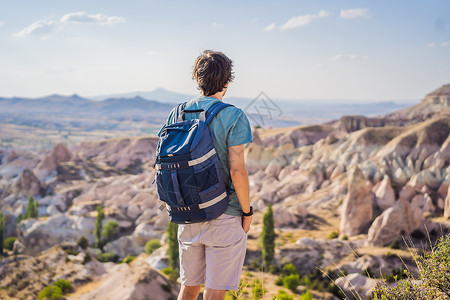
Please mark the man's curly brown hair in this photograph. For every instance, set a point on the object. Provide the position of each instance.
(212, 70)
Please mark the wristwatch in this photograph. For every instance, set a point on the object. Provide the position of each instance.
(249, 213)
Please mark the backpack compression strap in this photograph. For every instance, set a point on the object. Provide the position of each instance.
(180, 108)
(214, 110)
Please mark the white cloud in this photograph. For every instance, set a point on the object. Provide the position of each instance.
(355, 13)
(2, 23)
(82, 17)
(443, 44)
(40, 27)
(303, 20)
(270, 27)
(348, 57)
(255, 20)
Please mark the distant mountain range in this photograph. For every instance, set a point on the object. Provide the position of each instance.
(136, 108)
(160, 94)
(153, 107)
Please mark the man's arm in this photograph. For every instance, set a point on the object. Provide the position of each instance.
(239, 178)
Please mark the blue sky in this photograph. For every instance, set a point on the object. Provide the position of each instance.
(349, 50)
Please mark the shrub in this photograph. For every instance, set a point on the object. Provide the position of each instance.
(279, 281)
(87, 258)
(50, 292)
(83, 242)
(64, 285)
(306, 296)
(345, 237)
(282, 295)
(333, 235)
(71, 251)
(289, 269)
(257, 290)
(418, 234)
(368, 272)
(107, 257)
(128, 259)
(395, 244)
(111, 231)
(151, 246)
(434, 280)
(291, 282)
(171, 273)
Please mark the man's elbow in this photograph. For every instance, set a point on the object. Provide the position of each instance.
(238, 173)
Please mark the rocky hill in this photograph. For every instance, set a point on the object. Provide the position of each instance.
(436, 102)
(355, 185)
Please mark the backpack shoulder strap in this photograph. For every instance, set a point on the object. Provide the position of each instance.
(214, 110)
(179, 116)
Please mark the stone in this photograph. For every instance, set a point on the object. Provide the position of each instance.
(385, 194)
(27, 184)
(52, 210)
(357, 284)
(133, 281)
(357, 207)
(399, 220)
(39, 234)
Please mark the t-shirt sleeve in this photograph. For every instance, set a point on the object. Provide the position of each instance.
(168, 121)
(240, 132)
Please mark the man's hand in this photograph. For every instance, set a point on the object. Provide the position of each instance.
(246, 222)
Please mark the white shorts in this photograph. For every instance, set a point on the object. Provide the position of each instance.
(212, 250)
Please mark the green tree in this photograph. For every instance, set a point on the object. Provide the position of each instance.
(83, 242)
(268, 237)
(291, 282)
(51, 292)
(64, 285)
(30, 208)
(172, 230)
(306, 296)
(111, 231)
(8, 243)
(2, 232)
(98, 226)
(20, 218)
(35, 209)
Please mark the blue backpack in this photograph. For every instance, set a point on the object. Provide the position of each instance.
(189, 179)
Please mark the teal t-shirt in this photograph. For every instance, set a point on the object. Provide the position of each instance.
(230, 127)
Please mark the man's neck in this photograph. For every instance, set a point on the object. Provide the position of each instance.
(217, 95)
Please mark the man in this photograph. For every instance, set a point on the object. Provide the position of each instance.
(213, 252)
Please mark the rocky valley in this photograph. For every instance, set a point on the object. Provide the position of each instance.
(346, 196)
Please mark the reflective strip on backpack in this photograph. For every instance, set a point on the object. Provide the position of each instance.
(201, 205)
(202, 158)
(191, 162)
(213, 201)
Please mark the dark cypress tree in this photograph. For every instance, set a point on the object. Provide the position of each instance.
(98, 226)
(2, 232)
(35, 209)
(172, 237)
(268, 237)
(30, 208)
